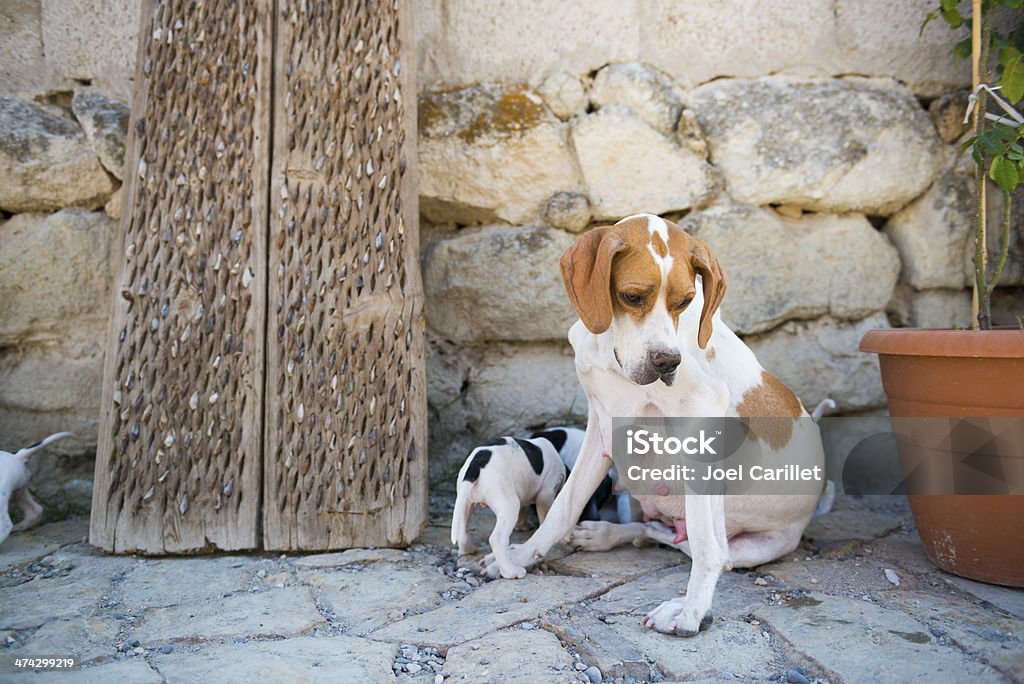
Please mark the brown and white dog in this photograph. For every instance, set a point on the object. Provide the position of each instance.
(650, 342)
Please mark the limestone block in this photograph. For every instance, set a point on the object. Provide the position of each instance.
(516, 40)
(648, 92)
(884, 38)
(476, 393)
(932, 233)
(363, 601)
(944, 309)
(498, 283)
(46, 162)
(73, 594)
(479, 614)
(92, 637)
(135, 671)
(22, 65)
(629, 167)
(105, 122)
(860, 630)
(835, 146)
(819, 359)
(568, 211)
(55, 274)
(530, 656)
(696, 42)
(490, 153)
(315, 660)
(163, 582)
(277, 612)
(783, 268)
(92, 40)
(563, 94)
(935, 234)
(55, 279)
(50, 388)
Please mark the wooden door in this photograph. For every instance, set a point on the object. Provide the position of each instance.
(263, 382)
(345, 430)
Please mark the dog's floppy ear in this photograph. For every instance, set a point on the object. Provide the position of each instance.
(587, 274)
(706, 264)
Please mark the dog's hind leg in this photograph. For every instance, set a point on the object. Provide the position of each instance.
(523, 520)
(599, 535)
(544, 501)
(506, 510)
(5, 517)
(461, 515)
(30, 507)
(757, 548)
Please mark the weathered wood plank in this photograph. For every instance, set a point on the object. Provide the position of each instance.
(179, 461)
(345, 458)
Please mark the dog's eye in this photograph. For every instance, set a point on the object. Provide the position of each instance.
(631, 299)
(683, 304)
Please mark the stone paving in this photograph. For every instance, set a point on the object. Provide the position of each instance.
(828, 612)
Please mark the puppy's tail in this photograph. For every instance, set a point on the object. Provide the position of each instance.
(821, 408)
(460, 515)
(23, 454)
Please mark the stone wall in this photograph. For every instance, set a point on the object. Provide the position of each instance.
(813, 145)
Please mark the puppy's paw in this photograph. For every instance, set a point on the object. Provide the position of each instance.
(677, 617)
(513, 572)
(489, 567)
(519, 556)
(592, 535)
(467, 549)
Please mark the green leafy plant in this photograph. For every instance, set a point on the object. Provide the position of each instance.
(997, 144)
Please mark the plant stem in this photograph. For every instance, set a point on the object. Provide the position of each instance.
(982, 319)
(981, 313)
(1004, 250)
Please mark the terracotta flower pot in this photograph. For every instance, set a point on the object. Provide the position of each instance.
(960, 373)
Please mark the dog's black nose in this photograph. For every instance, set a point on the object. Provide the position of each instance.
(665, 360)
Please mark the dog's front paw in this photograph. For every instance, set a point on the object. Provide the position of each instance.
(513, 572)
(592, 535)
(520, 557)
(677, 617)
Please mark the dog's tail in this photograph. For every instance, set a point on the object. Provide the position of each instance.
(826, 500)
(828, 496)
(460, 514)
(23, 454)
(819, 410)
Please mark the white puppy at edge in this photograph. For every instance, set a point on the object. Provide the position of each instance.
(506, 475)
(650, 342)
(14, 477)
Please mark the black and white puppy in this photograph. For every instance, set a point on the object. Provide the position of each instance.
(606, 503)
(506, 475)
(14, 477)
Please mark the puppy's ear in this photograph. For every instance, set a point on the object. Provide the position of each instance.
(714, 282)
(587, 274)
